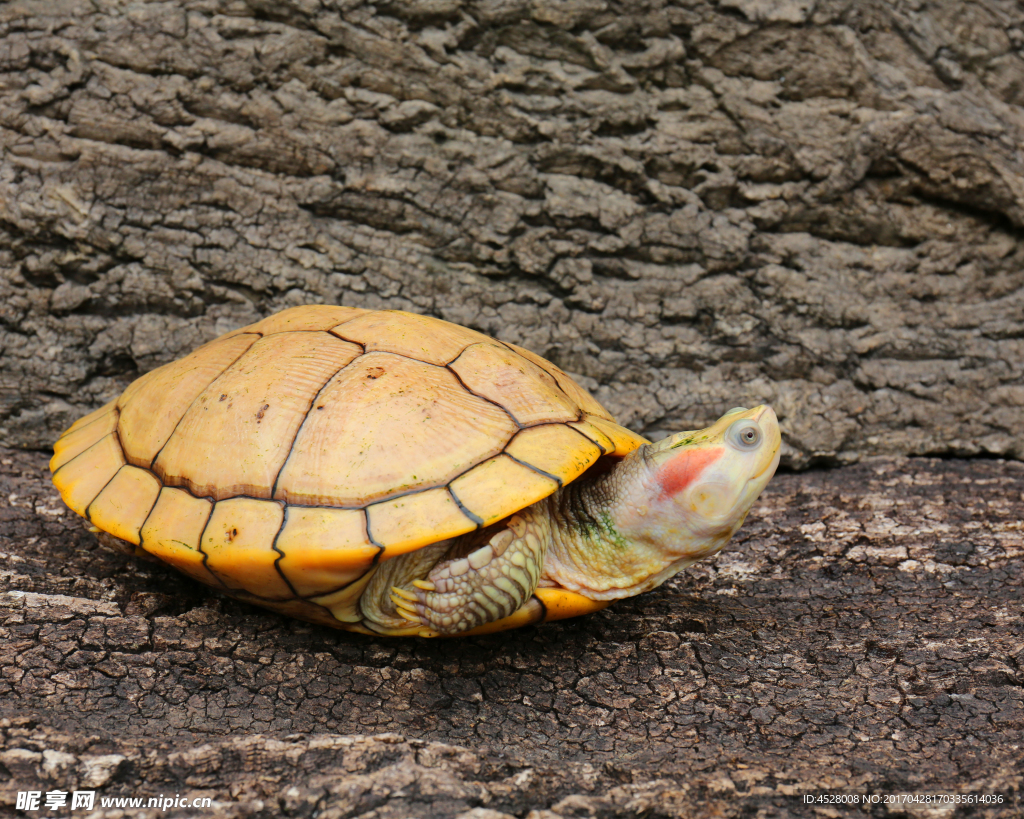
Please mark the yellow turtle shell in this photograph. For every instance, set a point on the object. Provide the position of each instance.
(281, 462)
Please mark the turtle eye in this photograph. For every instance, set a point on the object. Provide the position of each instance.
(744, 435)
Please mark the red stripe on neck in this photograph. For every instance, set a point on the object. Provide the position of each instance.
(685, 468)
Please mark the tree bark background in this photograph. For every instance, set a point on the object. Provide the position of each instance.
(690, 206)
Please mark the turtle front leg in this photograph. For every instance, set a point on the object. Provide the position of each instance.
(486, 585)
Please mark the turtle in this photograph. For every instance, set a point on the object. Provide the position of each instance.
(396, 474)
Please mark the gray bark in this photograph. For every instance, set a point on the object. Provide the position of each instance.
(691, 206)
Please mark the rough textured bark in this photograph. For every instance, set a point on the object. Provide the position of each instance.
(691, 205)
(864, 635)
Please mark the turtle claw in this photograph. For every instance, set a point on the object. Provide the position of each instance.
(404, 602)
(408, 614)
(426, 585)
(402, 593)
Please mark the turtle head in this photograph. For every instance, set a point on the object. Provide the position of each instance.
(692, 490)
(665, 506)
(701, 484)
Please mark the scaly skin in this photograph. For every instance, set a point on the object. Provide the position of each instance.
(662, 508)
(488, 584)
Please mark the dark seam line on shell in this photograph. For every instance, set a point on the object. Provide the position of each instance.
(366, 508)
(199, 547)
(505, 410)
(587, 439)
(243, 595)
(80, 454)
(370, 537)
(353, 361)
(391, 352)
(305, 416)
(556, 479)
(538, 470)
(340, 337)
(448, 364)
(342, 587)
(273, 493)
(145, 520)
(538, 366)
(152, 463)
(277, 561)
(366, 530)
(327, 613)
(550, 424)
(408, 357)
(360, 312)
(598, 443)
(87, 516)
(185, 487)
(326, 332)
(232, 590)
(543, 609)
(408, 492)
(616, 424)
(479, 521)
(112, 432)
(68, 431)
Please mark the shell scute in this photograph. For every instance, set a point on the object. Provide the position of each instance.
(574, 391)
(499, 487)
(324, 549)
(172, 532)
(421, 337)
(239, 546)
(528, 392)
(82, 478)
(125, 503)
(74, 442)
(388, 425)
(556, 449)
(410, 521)
(623, 440)
(235, 436)
(85, 420)
(305, 318)
(153, 406)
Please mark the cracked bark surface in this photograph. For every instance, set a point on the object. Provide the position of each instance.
(863, 634)
(690, 205)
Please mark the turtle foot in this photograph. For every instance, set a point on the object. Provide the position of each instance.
(486, 585)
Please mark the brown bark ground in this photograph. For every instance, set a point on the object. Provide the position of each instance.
(862, 636)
